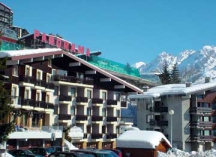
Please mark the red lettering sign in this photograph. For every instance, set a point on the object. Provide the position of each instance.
(60, 43)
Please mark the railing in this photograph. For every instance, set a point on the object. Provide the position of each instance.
(33, 103)
(49, 85)
(27, 79)
(41, 83)
(81, 99)
(123, 103)
(200, 110)
(158, 123)
(72, 79)
(52, 128)
(127, 119)
(81, 117)
(97, 118)
(97, 101)
(14, 80)
(96, 136)
(201, 124)
(64, 117)
(203, 138)
(111, 136)
(111, 102)
(64, 98)
(27, 102)
(111, 119)
(160, 109)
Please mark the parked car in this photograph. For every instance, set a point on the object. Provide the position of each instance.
(70, 154)
(42, 152)
(93, 152)
(117, 151)
(59, 149)
(111, 152)
(21, 153)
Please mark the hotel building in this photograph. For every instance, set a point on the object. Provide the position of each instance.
(52, 88)
(192, 126)
(6, 16)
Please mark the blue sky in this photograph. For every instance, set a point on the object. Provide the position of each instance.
(125, 31)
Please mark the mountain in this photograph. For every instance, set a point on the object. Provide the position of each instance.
(193, 65)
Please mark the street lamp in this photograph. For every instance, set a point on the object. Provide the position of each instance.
(171, 112)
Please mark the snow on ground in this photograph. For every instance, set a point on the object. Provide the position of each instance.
(179, 153)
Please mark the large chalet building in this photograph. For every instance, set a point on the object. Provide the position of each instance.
(52, 88)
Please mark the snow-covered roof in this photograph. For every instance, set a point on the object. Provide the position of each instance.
(13, 53)
(29, 53)
(174, 89)
(140, 139)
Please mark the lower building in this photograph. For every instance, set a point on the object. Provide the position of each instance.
(184, 113)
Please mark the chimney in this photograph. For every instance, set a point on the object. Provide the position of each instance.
(207, 79)
(145, 88)
(188, 84)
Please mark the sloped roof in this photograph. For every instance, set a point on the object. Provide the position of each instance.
(17, 55)
(141, 139)
(209, 98)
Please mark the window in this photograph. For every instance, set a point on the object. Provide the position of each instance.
(73, 92)
(38, 97)
(118, 113)
(104, 95)
(56, 90)
(47, 98)
(15, 70)
(72, 110)
(13, 91)
(104, 112)
(26, 94)
(104, 129)
(27, 71)
(149, 118)
(39, 75)
(89, 111)
(89, 94)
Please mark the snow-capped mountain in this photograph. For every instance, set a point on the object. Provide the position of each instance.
(193, 65)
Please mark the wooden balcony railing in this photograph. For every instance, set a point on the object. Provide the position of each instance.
(200, 110)
(64, 117)
(200, 138)
(111, 102)
(72, 79)
(96, 135)
(111, 119)
(41, 83)
(81, 117)
(64, 98)
(81, 99)
(27, 79)
(49, 85)
(201, 124)
(111, 135)
(97, 118)
(27, 102)
(97, 101)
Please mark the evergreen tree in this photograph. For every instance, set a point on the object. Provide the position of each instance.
(165, 76)
(175, 74)
(128, 68)
(6, 109)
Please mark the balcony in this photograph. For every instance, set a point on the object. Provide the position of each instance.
(111, 119)
(200, 138)
(127, 119)
(40, 83)
(97, 101)
(14, 80)
(28, 102)
(65, 98)
(64, 117)
(96, 135)
(97, 118)
(123, 103)
(81, 99)
(158, 123)
(111, 135)
(160, 109)
(200, 110)
(111, 102)
(27, 79)
(49, 85)
(72, 79)
(201, 124)
(81, 117)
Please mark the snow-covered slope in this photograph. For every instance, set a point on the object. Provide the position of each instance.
(193, 65)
